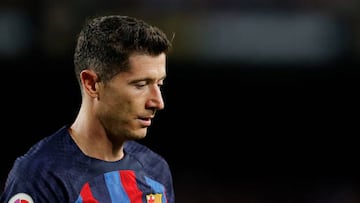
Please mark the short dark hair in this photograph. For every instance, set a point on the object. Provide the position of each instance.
(105, 43)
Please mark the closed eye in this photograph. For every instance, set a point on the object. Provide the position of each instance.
(142, 83)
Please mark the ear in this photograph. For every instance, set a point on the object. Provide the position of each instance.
(88, 80)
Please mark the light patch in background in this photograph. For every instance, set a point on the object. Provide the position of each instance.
(15, 33)
(263, 38)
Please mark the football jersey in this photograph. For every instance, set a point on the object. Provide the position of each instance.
(56, 170)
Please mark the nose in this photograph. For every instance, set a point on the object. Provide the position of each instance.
(156, 100)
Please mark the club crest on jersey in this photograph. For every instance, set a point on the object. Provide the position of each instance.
(21, 198)
(154, 198)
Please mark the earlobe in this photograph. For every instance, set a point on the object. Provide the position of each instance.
(88, 80)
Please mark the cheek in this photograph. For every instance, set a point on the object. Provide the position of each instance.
(124, 102)
(111, 104)
(125, 106)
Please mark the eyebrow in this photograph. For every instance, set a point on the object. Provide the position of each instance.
(148, 79)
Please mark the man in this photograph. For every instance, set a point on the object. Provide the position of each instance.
(120, 63)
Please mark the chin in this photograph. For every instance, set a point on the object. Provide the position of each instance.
(136, 137)
(139, 134)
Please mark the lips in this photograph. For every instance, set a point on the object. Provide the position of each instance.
(145, 121)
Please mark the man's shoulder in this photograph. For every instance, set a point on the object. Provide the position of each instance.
(134, 147)
(143, 153)
(42, 153)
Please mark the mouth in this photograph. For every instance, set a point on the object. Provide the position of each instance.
(145, 121)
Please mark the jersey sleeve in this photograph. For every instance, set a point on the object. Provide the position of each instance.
(31, 187)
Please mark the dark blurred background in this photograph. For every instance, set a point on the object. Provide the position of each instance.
(261, 96)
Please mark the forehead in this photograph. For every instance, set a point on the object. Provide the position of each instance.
(144, 63)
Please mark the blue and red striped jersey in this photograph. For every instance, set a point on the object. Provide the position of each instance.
(55, 170)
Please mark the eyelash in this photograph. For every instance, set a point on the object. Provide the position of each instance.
(140, 85)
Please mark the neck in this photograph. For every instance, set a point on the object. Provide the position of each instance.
(90, 136)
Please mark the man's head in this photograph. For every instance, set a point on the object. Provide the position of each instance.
(120, 63)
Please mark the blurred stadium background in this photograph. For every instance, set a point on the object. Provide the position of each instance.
(261, 97)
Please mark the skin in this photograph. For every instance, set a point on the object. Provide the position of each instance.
(121, 109)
